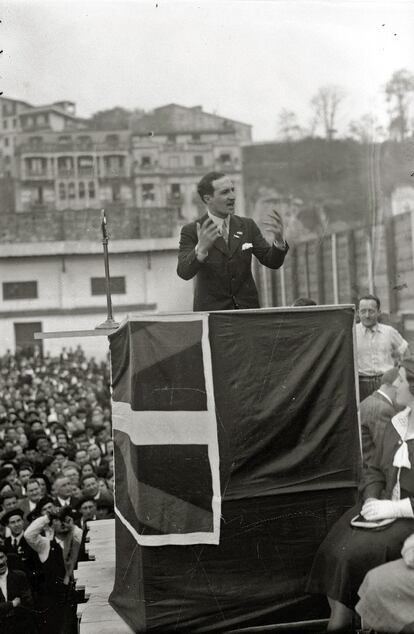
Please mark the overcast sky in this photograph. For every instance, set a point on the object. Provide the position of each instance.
(244, 59)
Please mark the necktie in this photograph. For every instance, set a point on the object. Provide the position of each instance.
(225, 232)
(14, 543)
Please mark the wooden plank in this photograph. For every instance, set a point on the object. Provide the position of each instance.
(98, 332)
(97, 577)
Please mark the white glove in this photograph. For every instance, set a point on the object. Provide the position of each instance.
(374, 510)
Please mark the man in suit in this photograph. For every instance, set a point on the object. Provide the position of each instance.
(34, 493)
(376, 412)
(18, 551)
(218, 249)
(63, 492)
(16, 601)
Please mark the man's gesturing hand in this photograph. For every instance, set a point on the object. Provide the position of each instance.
(207, 234)
(274, 225)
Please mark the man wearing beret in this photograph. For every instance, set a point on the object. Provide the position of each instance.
(217, 250)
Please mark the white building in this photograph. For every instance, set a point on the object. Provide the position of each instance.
(60, 286)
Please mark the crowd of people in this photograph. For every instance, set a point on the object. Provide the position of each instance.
(56, 475)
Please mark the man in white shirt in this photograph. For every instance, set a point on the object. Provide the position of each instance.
(217, 250)
(379, 347)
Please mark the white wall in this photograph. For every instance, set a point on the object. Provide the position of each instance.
(64, 284)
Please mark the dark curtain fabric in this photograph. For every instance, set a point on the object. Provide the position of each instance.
(284, 389)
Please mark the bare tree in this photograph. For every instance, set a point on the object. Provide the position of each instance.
(288, 126)
(398, 92)
(325, 105)
(367, 129)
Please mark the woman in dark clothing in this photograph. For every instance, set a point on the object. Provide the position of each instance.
(348, 553)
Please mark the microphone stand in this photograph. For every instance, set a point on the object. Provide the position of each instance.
(109, 322)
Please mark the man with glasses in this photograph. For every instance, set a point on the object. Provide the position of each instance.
(379, 347)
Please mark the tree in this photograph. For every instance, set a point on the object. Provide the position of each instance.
(398, 91)
(367, 129)
(288, 126)
(116, 118)
(325, 105)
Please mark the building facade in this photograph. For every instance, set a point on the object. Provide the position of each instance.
(174, 146)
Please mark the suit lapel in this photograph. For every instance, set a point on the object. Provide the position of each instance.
(235, 229)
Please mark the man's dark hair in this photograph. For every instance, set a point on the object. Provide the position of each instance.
(389, 376)
(205, 186)
(304, 301)
(373, 297)
(87, 476)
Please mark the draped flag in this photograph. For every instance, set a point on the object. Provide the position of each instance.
(237, 448)
(165, 431)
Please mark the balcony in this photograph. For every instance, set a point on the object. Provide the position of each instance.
(113, 172)
(66, 173)
(86, 172)
(72, 146)
(37, 175)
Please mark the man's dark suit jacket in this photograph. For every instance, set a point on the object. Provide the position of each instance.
(376, 413)
(16, 620)
(224, 280)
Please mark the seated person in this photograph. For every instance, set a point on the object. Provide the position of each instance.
(376, 411)
(347, 553)
(387, 594)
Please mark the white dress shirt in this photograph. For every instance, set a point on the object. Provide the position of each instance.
(3, 584)
(378, 348)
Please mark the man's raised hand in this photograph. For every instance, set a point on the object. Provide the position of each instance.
(207, 234)
(274, 225)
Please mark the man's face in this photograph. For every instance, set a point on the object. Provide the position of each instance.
(81, 457)
(221, 202)
(91, 486)
(94, 452)
(24, 475)
(368, 312)
(15, 524)
(73, 475)
(88, 510)
(63, 487)
(10, 503)
(34, 492)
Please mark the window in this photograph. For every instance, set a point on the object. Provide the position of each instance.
(116, 192)
(82, 192)
(198, 161)
(171, 138)
(112, 139)
(225, 159)
(117, 286)
(19, 290)
(174, 161)
(71, 191)
(35, 141)
(195, 137)
(64, 140)
(38, 199)
(6, 142)
(5, 124)
(62, 191)
(37, 165)
(14, 122)
(84, 141)
(175, 191)
(148, 193)
(91, 189)
(146, 161)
